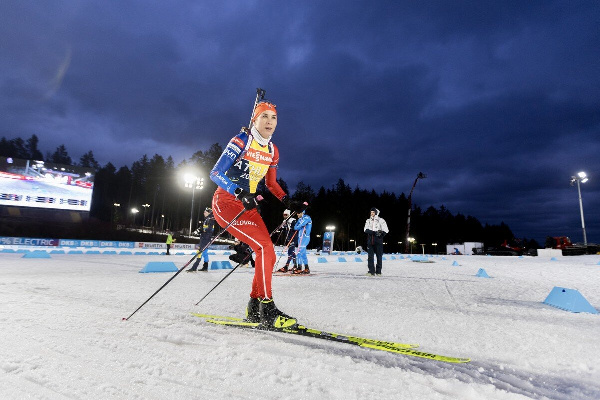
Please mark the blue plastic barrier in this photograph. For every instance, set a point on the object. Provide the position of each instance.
(159, 266)
(36, 254)
(569, 300)
(481, 273)
(220, 265)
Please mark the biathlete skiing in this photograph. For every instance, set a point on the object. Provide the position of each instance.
(248, 158)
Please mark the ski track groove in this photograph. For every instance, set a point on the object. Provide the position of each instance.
(510, 380)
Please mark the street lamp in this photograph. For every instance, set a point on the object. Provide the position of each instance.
(423, 248)
(411, 241)
(144, 217)
(419, 176)
(581, 177)
(435, 247)
(134, 211)
(115, 212)
(162, 222)
(193, 182)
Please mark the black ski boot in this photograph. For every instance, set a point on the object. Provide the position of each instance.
(204, 266)
(194, 267)
(252, 310)
(306, 270)
(272, 318)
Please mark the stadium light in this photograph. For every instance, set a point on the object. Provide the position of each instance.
(134, 211)
(435, 247)
(330, 228)
(115, 213)
(194, 182)
(411, 240)
(144, 218)
(581, 177)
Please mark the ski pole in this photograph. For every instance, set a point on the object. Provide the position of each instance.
(182, 268)
(305, 204)
(260, 94)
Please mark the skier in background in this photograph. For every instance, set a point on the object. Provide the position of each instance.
(375, 228)
(303, 226)
(248, 158)
(243, 253)
(206, 231)
(290, 239)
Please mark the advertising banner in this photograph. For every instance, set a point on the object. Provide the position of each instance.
(174, 246)
(31, 183)
(328, 242)
(95, 243)
(19, 241)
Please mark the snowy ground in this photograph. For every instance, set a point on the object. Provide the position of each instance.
(62, 336)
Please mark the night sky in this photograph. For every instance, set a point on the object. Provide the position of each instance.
(498, 102)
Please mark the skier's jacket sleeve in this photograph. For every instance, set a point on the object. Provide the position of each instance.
(304, 222)
(243, 164)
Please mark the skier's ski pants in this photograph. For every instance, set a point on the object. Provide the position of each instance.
(291, 254)
(301, 256)
(250, 229)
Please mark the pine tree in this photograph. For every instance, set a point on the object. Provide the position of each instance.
(61, 156)
(87, 160)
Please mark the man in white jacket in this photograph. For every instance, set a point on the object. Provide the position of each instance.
(376, 229)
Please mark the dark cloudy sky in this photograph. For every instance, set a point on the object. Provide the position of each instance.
(498, 102)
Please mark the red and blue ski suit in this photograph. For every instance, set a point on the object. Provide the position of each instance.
(244, 163)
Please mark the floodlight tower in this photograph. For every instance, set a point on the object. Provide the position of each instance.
(419, 176)
(195, 183)
(580, 177)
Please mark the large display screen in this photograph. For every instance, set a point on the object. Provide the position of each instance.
(30, 183)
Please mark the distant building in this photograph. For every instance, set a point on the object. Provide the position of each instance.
(465, 248)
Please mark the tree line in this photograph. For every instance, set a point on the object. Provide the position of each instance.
(155, 187)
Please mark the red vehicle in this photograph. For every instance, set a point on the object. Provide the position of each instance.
(564, 243)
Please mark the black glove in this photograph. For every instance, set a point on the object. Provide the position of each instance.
(293, 205)
(379, 233)
(247, 199)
